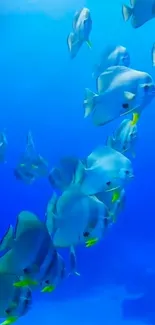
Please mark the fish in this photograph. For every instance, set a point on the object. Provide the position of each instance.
(140, 12)
(124, 138)
(65, 174)
(14, 302)
(75, 212)
(121, 90)
(3, 147)
(31, 165)
(53, 272)
(32, 255)
(82, 25)
(112, 56)
(105, 169)
(30, 245)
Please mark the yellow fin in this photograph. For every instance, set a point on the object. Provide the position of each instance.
(92, 241)
(115, 196)
(135, 118)
(89, 44)
(25, 283)
(9, 320)
(49, 288)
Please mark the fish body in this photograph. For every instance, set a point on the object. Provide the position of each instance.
(75, 212)
(30, 245)
(82, 25)
(106, 171)
(32, 165)
(124, 138)
(53, 271)
(140, 12)
(14, 302)
(121, 91)
(112, 56)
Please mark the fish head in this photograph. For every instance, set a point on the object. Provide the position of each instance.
(124, 57)
(85, 24)
(126, 174)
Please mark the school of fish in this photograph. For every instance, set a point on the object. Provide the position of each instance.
(89, 193)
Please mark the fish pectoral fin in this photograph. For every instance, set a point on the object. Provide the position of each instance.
(9, 320)
(49, 288)
(129, 96)
(126, 12)
(135, 118)
(26, 282)
(89, 44)
(88, 102)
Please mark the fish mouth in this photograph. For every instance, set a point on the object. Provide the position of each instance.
(129, 111)
(113, 189)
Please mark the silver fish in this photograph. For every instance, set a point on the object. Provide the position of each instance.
(82, 25)
(140, 12)
(75, 211)
(121, 90)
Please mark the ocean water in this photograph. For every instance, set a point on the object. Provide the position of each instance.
(42, 90)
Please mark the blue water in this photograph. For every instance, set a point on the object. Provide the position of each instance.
(42, 90)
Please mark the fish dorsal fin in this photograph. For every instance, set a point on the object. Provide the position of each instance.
(26, 220)
(98, 154)
(75, 19)
(133, 2)
(103, 81)
(7, 240)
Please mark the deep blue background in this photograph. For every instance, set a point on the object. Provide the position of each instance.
(42, 90)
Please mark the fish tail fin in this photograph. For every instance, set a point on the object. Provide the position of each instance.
(88, 102)
(126, 12)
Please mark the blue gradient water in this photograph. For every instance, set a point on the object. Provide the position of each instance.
(42, 90)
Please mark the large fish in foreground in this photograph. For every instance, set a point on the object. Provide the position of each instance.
(140, 12)
(31, 254)
(112, 56)
(121, 91)
(14, 302)
(105, 169)
(82, 25)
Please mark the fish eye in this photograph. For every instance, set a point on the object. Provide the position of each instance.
(146, 88)
(47, 282)
(108, 183)
(127, 172)
(125, 105)
(86, 234)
